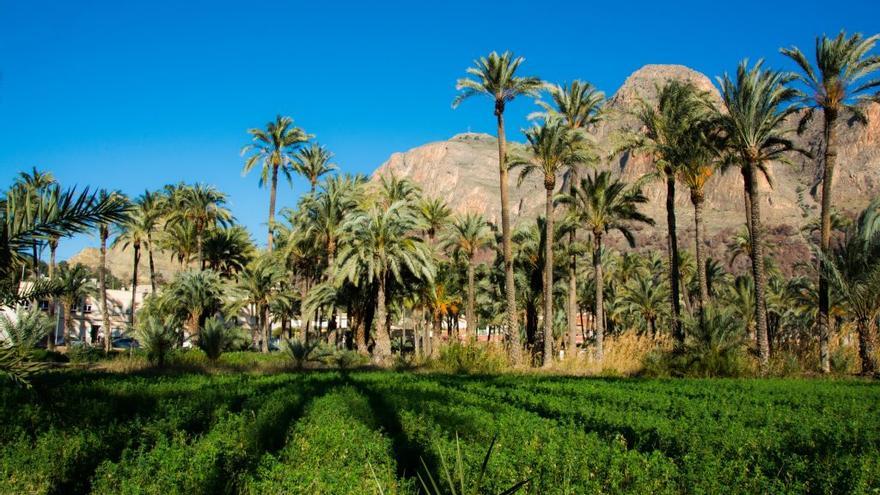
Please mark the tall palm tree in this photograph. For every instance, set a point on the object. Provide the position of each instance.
(34, 183)
(581, 107)
(322, 214)
(75, 284)
(260, 281)
(274, 149)
(104, 235)
(151, 206)
(666, 128)
(645, 296)
(554, 148)
(495, 76)
(202, 206)
(753, 125)
(134, 234)
(836, 84)
(697, 168)
(313, 162)
(381, 243)
(468, 235)
(604, 203)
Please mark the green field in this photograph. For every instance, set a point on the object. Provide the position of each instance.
(331, 433)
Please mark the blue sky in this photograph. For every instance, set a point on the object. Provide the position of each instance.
(134, 95)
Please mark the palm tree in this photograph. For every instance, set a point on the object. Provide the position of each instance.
(151, 207)
(34, 184)
(135, 233)
(667, 128)
(322, 214)
(202, 206)
(274, 148)
(228, 250)
(468, 235)
(435, 215)
(495, 76)
(313, 162)
(753, 128)
(554, 147)
(197, 294)
(604, 203)
(75, 284)
(836, 84)
(698, 166)
(645, 295)
(381, 243)
(580, 106)
(853, 270)
(180, 240)
(104, 235)
(260, 281)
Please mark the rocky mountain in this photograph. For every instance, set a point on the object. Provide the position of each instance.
(464, 172)
(119, 263)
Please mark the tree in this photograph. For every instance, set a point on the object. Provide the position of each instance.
(645, 295)
(836, 84)
(604, 203)
(135, 233)
(435, 214)
(76, 284)
(34, 184)
(379, 244)
(495, 76)
(259, 282)
(313, 162)
(853, 270)
(228, 250)
(195, 295)
(753, 126)
(467, 236)
(554, 148)
(104, 235)
(274, 149)
(666, 136)
(580, 106)
(202, 206)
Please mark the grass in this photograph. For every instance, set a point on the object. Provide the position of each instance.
(360, 432)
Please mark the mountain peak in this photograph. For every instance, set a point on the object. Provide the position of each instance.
(644, 81)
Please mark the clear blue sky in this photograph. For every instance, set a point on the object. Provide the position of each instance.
(132, 95)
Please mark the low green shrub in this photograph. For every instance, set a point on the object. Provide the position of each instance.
(157, 338)
(470, 358)
(83, 353)
(218, 336)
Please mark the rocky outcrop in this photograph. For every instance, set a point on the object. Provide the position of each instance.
(464, 172)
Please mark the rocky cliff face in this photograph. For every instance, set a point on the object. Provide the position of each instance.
(464, 172)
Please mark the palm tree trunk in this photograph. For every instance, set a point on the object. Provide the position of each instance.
(864, 326)
(382, 351)
(825, 239)
(747, 198)
(599, 320)
(471, 302)
(674, 272)
(509, 283)
(68, 322)
(102, 282)
(572, 276)
(272, 190)
(134, 281)
(36, 254)
(699, 236)
(267, 327)
(548, 273)
(758, 270)
(200, 243)
(152, 265)
(50, 339)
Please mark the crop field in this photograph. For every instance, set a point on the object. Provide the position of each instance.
(379, 432)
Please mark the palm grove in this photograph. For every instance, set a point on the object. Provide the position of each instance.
(384, 255)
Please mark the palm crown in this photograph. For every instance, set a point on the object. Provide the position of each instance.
(273, 147)
(605, 203)
(495, 76)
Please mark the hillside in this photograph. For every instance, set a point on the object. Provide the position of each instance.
(463, 171)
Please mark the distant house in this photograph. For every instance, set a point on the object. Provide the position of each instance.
(88, 319)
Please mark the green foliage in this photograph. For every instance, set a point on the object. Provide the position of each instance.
(83, 353)
(326, 432)
(303, 353)
(157, 338)
(457, 475)
(461, 358)
(217, 336)
(25, 330)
